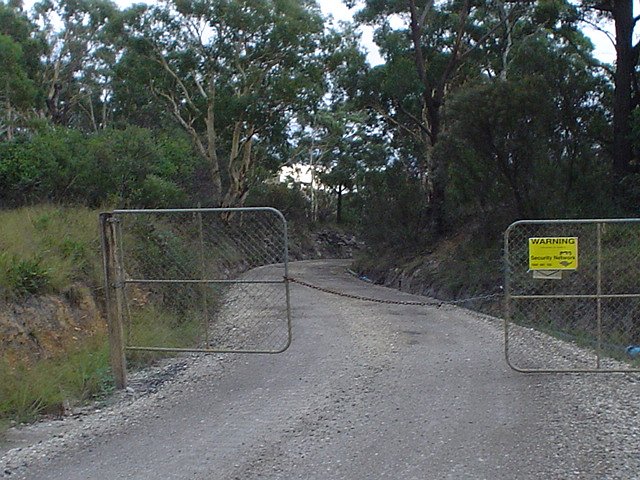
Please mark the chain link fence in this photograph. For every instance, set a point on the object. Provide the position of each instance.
(576, 281)
(200, 280)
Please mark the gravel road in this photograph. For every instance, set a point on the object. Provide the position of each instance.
(366, 390)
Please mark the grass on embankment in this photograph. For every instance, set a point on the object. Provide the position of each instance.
(44, 250)
(49, 386)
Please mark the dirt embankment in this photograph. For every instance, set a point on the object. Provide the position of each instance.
(44, 326)
(453, 270)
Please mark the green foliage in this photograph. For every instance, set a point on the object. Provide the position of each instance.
(130, 167)
(20, 51)
(27, 276)
(27, 391)
(156, 192)
(289, 200)
(394, 212)
(235, 91)
(522, 147)
(14, 81)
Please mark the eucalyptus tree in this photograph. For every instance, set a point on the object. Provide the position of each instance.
(350, 150)
(426, 59)
(77, 65)
(526, 144)
(233, 74)
(20, 48)
(133, 101)
(626, 96)
(334, 137)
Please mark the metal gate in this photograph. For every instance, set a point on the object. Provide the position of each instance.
(196, 280)
(572, 295)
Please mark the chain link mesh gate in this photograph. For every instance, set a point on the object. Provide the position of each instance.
(198, 280)
(572, 283)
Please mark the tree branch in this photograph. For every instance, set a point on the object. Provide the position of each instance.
(484, 37)
(416, 33)
(419, 123)
(597, 27)
(454, 61)
(425, 12)
(160, 58)
(392, 120)
(182, 121)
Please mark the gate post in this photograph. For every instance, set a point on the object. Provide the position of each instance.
(113, 298)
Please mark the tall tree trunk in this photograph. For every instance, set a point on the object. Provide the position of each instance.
(239, 165)
(622, 11)
(434, 170)
(212, 146)
(9, 121)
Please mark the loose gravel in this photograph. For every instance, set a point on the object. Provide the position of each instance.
(580, 426)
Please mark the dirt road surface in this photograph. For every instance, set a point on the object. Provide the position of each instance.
(366, 390)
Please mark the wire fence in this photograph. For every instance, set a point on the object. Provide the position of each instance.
(204, 280)
(216, 280)
(574, 280)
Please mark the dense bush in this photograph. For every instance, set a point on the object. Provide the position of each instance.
(130, 167)
(290, 201)
(394, 211)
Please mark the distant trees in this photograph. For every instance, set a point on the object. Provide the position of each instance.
(425, 61)
(509, 68)
(531, 136)
(76, 66)
(478, 109)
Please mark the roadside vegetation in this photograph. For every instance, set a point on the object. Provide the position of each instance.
(54, 385)
(45, 249)
(480, 113)
(53, 252)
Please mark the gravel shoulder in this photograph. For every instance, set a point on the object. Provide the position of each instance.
(366, 390)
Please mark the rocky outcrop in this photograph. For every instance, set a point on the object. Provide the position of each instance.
(334, 244)
(326, 243)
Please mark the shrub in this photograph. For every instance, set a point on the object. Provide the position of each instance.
(131, 167)
(157, 192)
(289, 200)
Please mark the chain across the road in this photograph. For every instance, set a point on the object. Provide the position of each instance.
(427, 303)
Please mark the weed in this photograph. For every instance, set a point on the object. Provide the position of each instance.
(28, 391)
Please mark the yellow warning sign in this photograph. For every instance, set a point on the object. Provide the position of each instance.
(553, 253)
